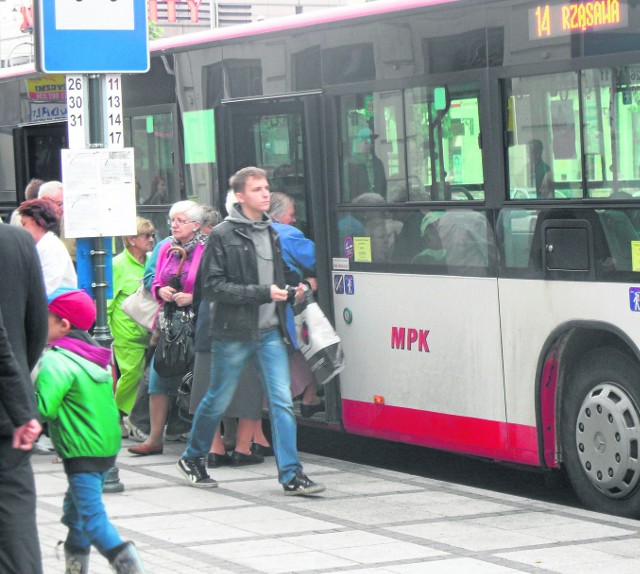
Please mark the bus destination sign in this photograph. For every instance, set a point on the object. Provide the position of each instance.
(552, 20)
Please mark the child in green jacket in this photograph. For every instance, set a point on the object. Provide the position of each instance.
(74, 392)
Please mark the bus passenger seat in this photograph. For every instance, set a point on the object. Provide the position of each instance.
(467, 240)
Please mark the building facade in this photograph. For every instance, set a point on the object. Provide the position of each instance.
(167, 17)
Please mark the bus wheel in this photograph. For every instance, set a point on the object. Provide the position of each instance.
(601, 432)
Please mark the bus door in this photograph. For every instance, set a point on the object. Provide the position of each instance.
(37, 153)
(282, 136)
(151, 131)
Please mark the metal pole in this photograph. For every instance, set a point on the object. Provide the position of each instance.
(101, 331)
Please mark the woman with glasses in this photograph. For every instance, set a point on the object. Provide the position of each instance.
(130, 340)
(186, 219)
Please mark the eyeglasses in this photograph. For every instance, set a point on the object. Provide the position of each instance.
(179, 222)
(146, 235)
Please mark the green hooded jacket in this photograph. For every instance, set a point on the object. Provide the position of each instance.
(75, 396)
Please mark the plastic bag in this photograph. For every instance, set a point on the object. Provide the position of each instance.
(318, 340)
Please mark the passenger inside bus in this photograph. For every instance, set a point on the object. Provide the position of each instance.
(460, 239)
(373, 223)
(541, 175)
(159, 194)
(432, 252)
(468, 241)
(364, 171)
(409, 239)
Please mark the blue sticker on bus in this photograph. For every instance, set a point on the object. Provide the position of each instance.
(349, 285)
(338, 284)
(634, 299)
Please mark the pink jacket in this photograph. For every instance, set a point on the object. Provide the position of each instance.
(163, 260)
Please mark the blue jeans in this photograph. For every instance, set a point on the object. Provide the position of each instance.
(228, 360)
(84, 514)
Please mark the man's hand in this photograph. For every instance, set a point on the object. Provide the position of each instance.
(26, 434)
(278, 294)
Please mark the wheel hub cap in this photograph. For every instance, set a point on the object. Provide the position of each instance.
(607, 439)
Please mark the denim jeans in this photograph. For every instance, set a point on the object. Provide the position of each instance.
(84, 514)
(229, 358)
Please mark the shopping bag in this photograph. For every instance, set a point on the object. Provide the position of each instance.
(318, 340)
(141, 307)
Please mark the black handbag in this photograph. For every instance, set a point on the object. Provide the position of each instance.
(175, 350)
(183, 398)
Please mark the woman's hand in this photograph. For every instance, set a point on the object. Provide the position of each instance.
(300, 292)
(183, 299)
(166, 293)
(313, 283)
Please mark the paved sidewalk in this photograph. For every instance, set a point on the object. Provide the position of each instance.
(369, 520)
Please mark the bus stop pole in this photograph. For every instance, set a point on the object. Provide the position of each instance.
(99, 285)
(98, 252)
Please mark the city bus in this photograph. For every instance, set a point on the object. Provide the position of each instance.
(470, 173)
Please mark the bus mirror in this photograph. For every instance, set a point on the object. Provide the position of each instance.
(440, 98)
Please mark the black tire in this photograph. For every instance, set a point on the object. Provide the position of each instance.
(600, 432)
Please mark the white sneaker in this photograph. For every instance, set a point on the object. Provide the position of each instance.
(135, 433)
(43, 445)
(176, 437)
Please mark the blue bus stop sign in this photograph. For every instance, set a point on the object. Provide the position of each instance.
(91, 36)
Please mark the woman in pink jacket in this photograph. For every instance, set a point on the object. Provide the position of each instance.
(185, 219)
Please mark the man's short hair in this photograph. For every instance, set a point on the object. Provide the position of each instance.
(239, 179)
(33, 188)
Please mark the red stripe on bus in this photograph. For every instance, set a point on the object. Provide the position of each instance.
(496, 440)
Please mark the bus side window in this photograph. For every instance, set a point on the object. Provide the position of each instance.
(619, 232)
(515, 229)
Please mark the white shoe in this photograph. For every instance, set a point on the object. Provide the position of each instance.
(43, 445)
(134, 432)
(176, 437)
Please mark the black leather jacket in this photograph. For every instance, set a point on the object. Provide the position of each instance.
(230, 280)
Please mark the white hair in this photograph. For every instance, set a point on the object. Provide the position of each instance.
(49, 188)
(230, 201)
(190, 208)
(279, 203)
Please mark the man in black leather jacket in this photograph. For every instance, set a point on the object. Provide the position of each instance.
(245, 278)
(24, 313)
